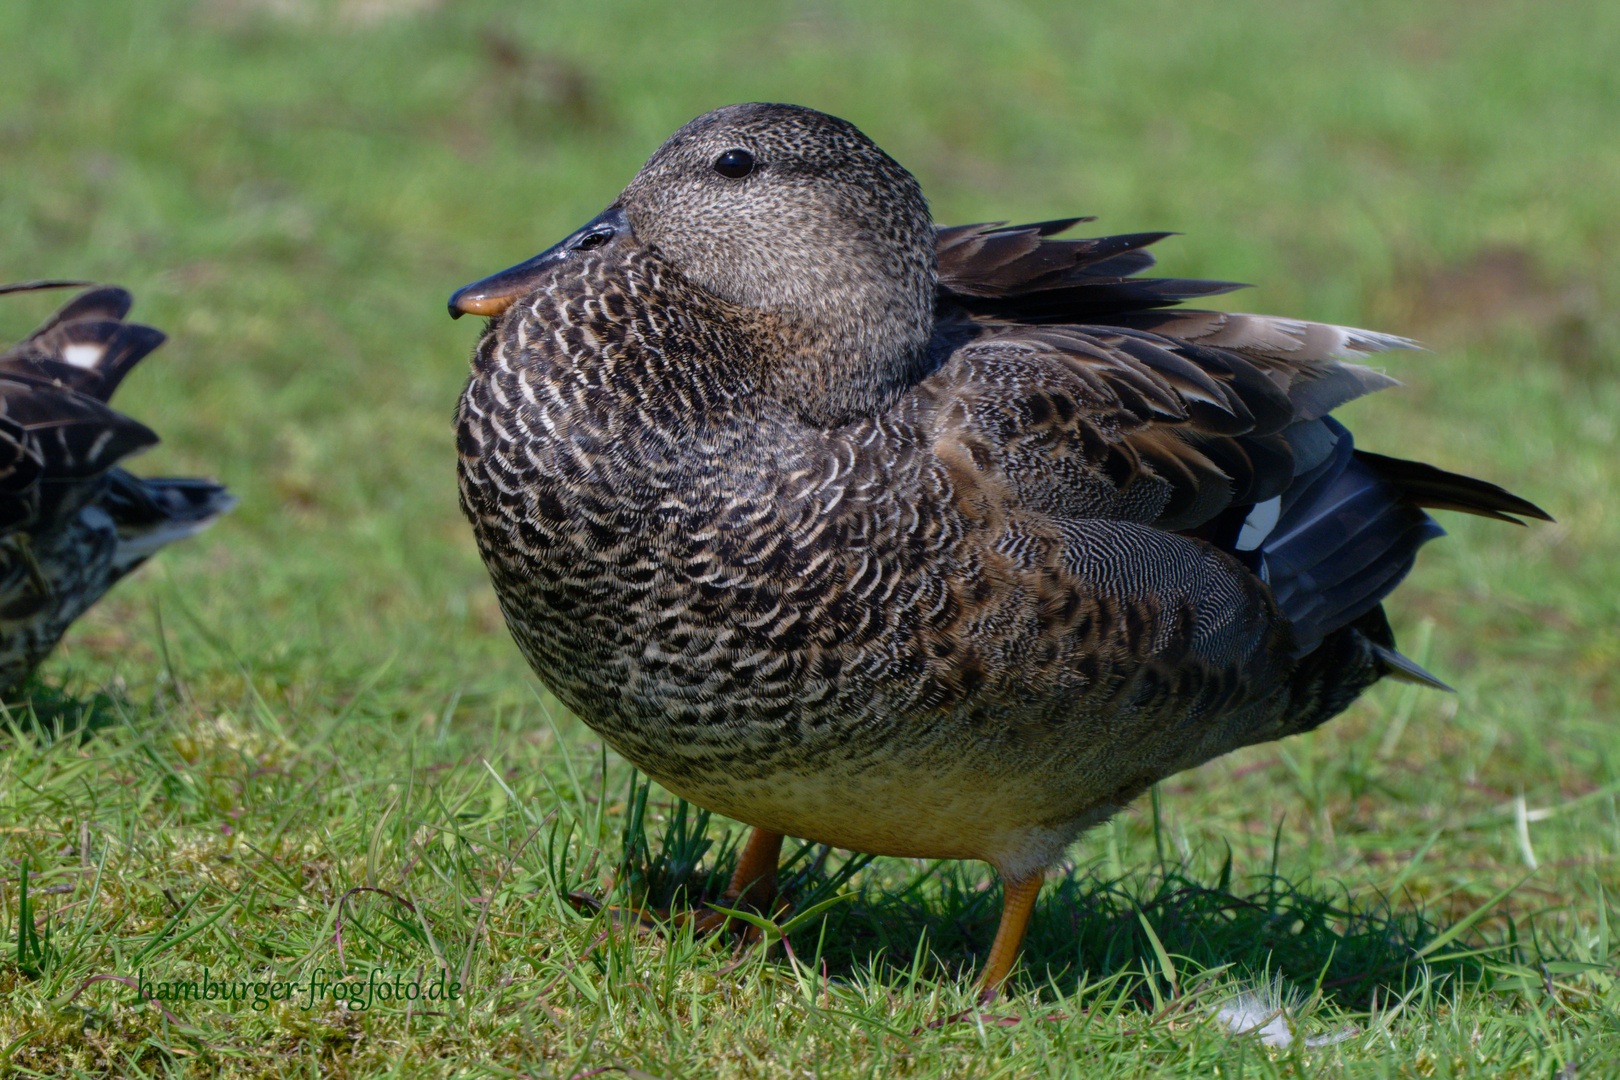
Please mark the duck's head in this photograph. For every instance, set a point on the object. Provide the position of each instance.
(790, 213)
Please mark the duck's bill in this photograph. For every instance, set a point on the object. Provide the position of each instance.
(494, 294)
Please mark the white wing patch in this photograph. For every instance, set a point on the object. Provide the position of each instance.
(83, 356)
(1258, 525)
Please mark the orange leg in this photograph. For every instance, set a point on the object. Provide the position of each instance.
(1017, 903)
(754, 882)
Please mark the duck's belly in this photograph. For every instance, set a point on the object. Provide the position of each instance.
(1014, 799)
(929, 816)
(869, 759)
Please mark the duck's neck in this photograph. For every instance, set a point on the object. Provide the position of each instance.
(829, 359)
(830, 373)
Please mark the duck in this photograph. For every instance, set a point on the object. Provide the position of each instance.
(920, 541)
(72, 521)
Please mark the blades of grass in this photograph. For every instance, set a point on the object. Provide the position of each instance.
(1163, 957)
(427, 931)
(406, 799)
(447, 714)
(802, 918)
(297, 805)
(86, 929)
(574, 779)
(757, 921)
(27, 938)
(557, 842)
(1491, 819)
(1115, 860)
(1461, 927)
(634, 855)
(1155, 801)
(323, 733)
(58, 774)
(1521, 831)
(1406, 703)
(160, 945)
(512, 796)
(1603, 923)
(163, 647)
(15, 1044)
(375, 843)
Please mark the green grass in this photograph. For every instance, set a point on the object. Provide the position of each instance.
(303, 741)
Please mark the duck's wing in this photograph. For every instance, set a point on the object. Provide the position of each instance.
(1025, 274)
(1210, 409)
(1166, 432)
(1211, 425)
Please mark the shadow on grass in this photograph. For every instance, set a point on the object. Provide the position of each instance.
(47, 712)
(1085, 928)
(1088, 928)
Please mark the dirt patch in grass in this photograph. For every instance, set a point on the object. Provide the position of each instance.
(1495, 291)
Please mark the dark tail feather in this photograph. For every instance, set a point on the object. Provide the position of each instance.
(86, 346)
(1348, 530)
(1425, 485)
(1344, 537)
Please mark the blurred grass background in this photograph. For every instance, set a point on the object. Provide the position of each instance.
(292, 188)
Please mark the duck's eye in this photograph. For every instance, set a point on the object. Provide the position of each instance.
(734, 164)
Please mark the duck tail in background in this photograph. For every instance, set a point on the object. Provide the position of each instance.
(151, 511)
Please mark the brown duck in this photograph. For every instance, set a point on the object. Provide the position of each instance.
(72, 523)
(930, 542)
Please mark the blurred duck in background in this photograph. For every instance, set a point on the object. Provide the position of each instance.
(72, 523)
